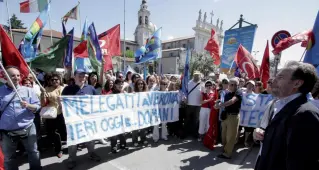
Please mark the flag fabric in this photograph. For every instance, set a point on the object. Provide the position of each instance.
(237, 72)
(110, 45)
(33, 36)
(85, 30)
(246, 63)
(185, 79)
(72, 14)
(1, 0)
(312, 55)
(10, 54)
(213, 48)
(52, 57)
(290, 41)
(94, 50)
(69, 50)
(84, 64)
(152, 50)
(30, 6)
(264, 68)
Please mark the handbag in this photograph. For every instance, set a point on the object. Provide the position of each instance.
(16, 135)
(49, 112)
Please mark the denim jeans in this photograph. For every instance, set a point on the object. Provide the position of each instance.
(30, 144)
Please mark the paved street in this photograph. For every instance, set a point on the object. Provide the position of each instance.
(166, 155)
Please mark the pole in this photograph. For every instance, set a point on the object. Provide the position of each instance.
(9, 20)
(50, 27)
(303, 54)
(10, 81)
(277, 61)
(124, 36)
(80, 16)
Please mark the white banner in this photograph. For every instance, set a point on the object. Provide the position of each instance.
(252, 108)
(94, 117)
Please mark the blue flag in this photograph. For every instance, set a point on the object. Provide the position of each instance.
(312, 55)
(83, 63)
(94, 40)
(152, 50)
(85, 30)
(69, 51)
(63, 30)
(237, 72)
(185, 79)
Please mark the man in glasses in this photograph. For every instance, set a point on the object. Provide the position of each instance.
(230, 124)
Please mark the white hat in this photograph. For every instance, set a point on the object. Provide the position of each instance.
(252, 82)
(196, 72)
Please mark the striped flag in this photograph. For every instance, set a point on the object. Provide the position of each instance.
(72, 14)
(85, 30)
(30, 6)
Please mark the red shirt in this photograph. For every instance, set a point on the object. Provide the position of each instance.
(207, 96)
(106, 92)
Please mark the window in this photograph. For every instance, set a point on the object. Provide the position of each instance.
(127, 48)
(171, 54)
(184, 45)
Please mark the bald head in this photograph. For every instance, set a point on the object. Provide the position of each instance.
(14, 75)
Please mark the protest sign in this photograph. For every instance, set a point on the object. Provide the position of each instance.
(95, 117)
(252, 108)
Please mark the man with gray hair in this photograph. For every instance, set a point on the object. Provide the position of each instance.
(230, 117)
(290, 140)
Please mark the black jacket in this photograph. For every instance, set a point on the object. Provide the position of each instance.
(291, 140)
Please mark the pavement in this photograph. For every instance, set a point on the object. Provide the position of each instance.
(174, 154)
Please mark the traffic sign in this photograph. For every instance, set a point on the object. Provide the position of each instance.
(279, 36)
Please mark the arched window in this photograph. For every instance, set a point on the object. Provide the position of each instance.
(146, 20)
(140, 20)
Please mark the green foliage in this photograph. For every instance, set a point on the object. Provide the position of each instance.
(203, 63)
(128, 54)
(16, 23)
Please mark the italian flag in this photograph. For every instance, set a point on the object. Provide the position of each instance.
(30, 6)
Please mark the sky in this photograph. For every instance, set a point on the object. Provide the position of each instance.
(178, 17)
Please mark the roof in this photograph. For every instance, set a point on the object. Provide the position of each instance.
(172, 49)
(47, 33)
(178, 39)
(129, 41)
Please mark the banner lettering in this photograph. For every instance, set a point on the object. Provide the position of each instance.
(94, 117)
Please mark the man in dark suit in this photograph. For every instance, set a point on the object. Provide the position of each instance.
(291, 139)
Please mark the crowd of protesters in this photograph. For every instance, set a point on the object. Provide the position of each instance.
(209, 113)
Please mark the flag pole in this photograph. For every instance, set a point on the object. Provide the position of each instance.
(9, 20)
(50, 27)
(80, 16)
(9, 79)
(303, 54)
(124, 37)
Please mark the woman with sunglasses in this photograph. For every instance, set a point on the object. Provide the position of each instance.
(156, 134)
(118, 88)
(139, 86)
(207, 102)
(259, 87)
(56, 129)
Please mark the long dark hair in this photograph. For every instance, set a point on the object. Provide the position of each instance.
(114, 90)
(126, 77)
(107, 85)
(97, 85)
(144, 85)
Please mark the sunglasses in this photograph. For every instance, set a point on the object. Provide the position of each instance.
(164, 84)
(120, 77)
(232, 84)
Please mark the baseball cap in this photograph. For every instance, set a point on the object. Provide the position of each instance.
(80, 71)
(251, 82)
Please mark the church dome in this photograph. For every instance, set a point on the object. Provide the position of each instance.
(152, 27)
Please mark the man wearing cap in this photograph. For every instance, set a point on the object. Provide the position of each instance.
(16, 121)
(193, 105)
(80, 88)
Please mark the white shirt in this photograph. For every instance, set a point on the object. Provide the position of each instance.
(281, 103)
(37, 89)
(194, 97)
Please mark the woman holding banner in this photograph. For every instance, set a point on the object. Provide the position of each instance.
(139, 86)
(117, 88)
(156, 134)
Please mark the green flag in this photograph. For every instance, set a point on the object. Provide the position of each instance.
(96, 65)
(53, 57)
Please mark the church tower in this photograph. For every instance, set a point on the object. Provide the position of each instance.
(144, 28)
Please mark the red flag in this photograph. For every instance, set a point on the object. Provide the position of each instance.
(290, 41)
(246, 63)
(109, 43)
(10, 54)
(264, 68)
(213, 48)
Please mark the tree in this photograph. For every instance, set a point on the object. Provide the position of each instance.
(203, 63)
(16, 23)
(128, 54)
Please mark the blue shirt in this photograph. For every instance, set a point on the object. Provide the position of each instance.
(15, 117)
(76, 90)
